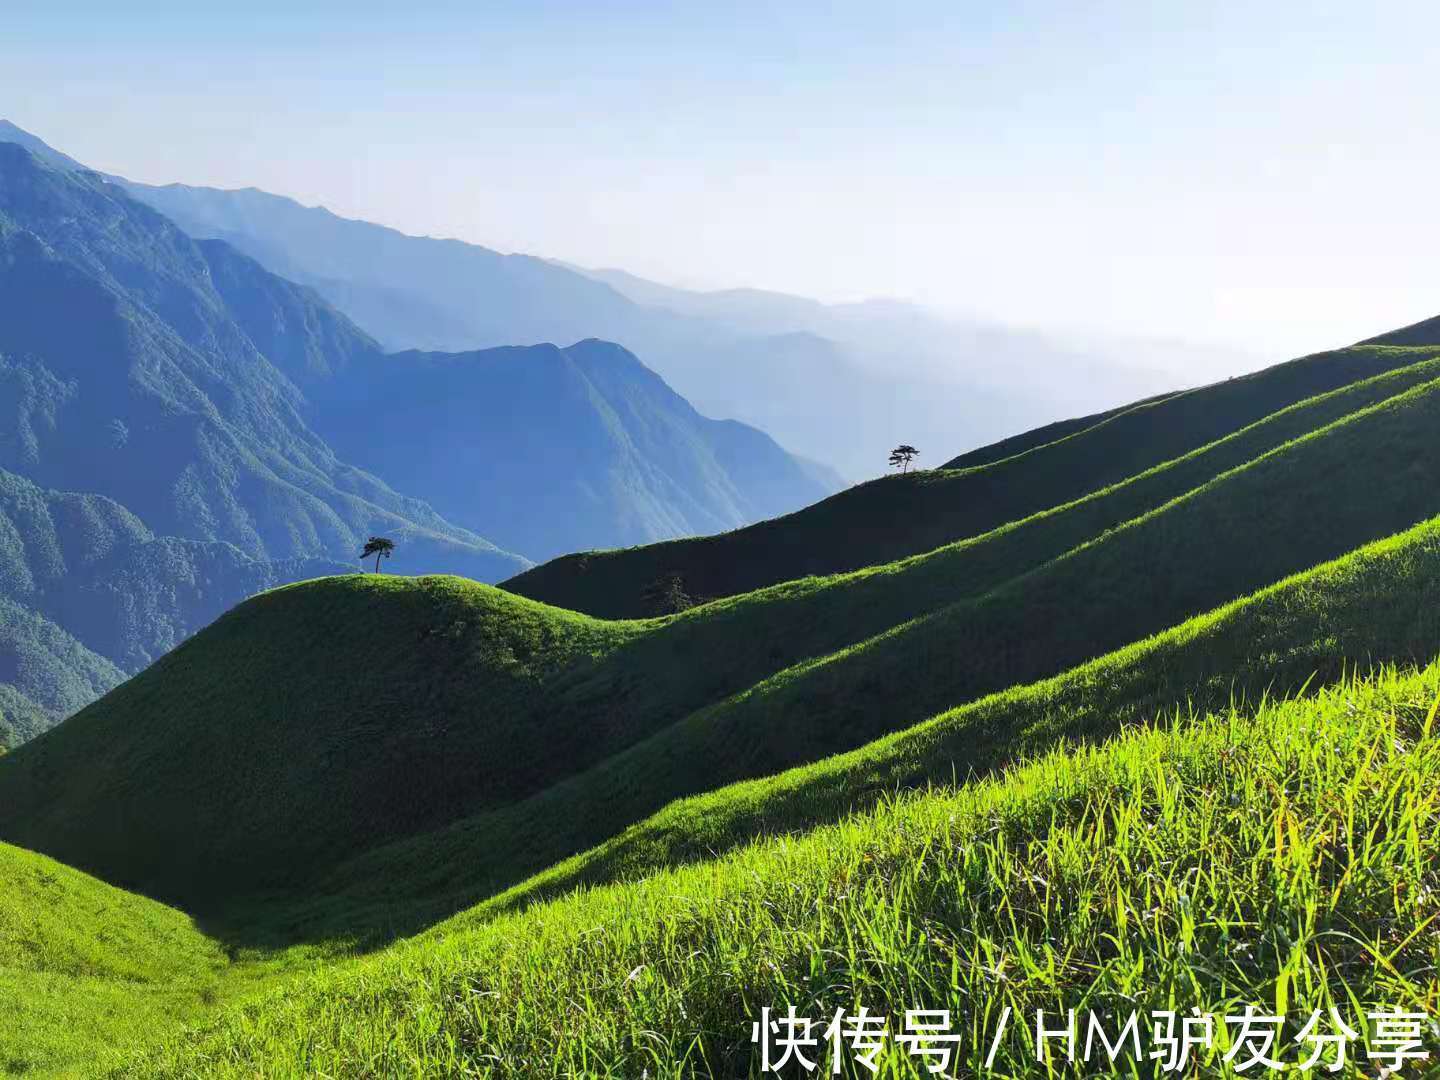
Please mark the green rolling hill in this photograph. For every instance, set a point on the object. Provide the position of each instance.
(1303, 632)
(392, 803)
(897, 516)
(431, 700)
(428, 701)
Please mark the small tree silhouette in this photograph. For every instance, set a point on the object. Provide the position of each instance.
(666, 595)
(380, 547)
(901, 457)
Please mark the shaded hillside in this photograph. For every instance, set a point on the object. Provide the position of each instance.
(1375, 606)
(1196, 553)
(1041, 436)
(897, 516)
(422, 701)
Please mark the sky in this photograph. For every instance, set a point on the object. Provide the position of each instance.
(1255, 175)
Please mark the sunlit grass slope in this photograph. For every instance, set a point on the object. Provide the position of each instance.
(898, 516)
(1287, 860)
(1376, 606)
(86, 970)
(1380, 604)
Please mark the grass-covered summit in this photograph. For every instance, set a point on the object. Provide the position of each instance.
(365, 706)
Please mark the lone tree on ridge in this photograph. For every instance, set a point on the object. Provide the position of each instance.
(380, 547)
(901, 457)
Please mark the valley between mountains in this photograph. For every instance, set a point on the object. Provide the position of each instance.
(1138, 710)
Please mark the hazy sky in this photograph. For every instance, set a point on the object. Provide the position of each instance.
(1257, 173)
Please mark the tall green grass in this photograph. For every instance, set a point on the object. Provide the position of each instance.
(1286, 859)
(87, 970)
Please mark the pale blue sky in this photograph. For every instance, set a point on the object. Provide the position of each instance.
(1257, 173)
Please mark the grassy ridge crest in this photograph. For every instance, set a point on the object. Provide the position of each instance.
(897, 516)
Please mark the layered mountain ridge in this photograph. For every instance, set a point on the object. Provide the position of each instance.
(181, 428)
(783, 363)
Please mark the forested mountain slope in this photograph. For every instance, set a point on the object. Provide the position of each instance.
(180, 428)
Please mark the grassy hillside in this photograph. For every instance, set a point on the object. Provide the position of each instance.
(1299, 845)
(1042, 436)
(87, 971)
(1378, 604)
(422, 703)
(1236, 533)
(898, 516)
(576, 817)
(1375, 606)
(746, 638)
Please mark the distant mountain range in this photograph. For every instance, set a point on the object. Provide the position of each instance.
(179, 428)
(787, 364)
